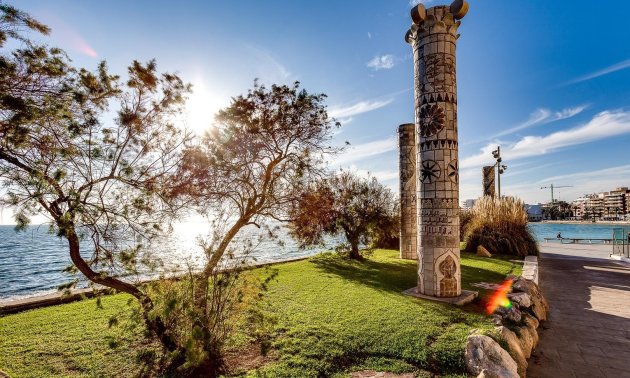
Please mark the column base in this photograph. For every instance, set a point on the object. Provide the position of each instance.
(465, 297)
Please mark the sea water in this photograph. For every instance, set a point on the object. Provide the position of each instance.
(32, 262)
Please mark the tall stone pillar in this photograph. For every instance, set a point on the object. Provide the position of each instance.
(407, 169)
(488, 180)
(433, 36)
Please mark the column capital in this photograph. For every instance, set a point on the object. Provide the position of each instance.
(437, 19)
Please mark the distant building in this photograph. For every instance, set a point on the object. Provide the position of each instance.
(468, 204)
(534, 212)
(615, 203)
(578, 207)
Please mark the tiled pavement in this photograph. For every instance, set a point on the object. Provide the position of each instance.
(588, 331)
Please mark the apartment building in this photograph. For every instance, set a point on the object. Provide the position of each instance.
(613, 205)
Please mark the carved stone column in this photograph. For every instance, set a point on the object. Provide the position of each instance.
(488, 180)
(433, 36)
(408, 212)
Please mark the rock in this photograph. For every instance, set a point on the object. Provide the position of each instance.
(487, 374)
(539, 307)
(514, 348)
(512, 314)
(483, 252)
(497, 320)
(532, 324)
(526, 339)
(523, 300)
(484, 355)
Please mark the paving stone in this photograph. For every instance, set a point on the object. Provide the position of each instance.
(587, 333)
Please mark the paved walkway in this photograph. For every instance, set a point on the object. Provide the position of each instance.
(588, 331)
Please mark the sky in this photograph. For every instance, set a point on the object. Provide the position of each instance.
(547, 81)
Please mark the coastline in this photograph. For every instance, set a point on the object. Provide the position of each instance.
(603, 223)
(12, 306)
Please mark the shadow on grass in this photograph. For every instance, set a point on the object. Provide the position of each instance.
(400, 275)
(381, 275)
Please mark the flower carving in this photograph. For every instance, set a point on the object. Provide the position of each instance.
(430, 171)
(431, 120)
(453, 171)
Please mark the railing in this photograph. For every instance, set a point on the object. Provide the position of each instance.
(580, 240)
(621, 242)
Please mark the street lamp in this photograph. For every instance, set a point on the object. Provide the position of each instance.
(501, 168)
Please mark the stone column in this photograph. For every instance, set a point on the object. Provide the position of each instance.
(488, 180)
(433, 36)
(407, 169)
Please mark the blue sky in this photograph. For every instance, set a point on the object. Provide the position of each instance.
(548, 81)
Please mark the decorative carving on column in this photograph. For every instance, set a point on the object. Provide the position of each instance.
(407, 169)
(488, 180)
(433, 36)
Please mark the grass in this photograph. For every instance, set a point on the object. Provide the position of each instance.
(332, 317)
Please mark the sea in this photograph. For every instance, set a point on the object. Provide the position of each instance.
(32, 261)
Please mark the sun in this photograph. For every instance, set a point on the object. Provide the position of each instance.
(201, 107)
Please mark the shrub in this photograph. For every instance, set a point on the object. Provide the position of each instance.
(500, 225)
(465, 215)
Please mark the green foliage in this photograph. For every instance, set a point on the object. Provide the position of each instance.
(361, 209)
(329, 316)
(500, 225)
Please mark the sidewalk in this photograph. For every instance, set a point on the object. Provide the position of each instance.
(588, 331)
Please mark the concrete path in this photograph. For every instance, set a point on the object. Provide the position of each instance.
(588, 331)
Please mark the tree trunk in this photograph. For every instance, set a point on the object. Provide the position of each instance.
(154, 325)
(354, 247)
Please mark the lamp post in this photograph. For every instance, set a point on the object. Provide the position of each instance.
(500, 168)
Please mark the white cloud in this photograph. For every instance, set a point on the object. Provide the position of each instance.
(386, 175)
(365, 150)
(382, 62)
(357, 108)
(345, 121)
(603, 125)
(586, 182)
(610, 69)
(416, 2)
(542, 116)
(369, 35)
(269, 69)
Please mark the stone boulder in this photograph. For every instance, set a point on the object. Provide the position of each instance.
(539, 306)
(532, 324)
(514, 348)
(485, 356)
(483, 252)
(521, 299)
(527, 338)
(511, 314)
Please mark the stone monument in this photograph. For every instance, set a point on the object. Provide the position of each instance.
(433, 36)
(488, 180)
(408, 212)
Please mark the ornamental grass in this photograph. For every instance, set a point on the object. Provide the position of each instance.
(500, 225)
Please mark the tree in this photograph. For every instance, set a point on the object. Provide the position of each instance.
(245, 171)
(358, 208)
(106, 183)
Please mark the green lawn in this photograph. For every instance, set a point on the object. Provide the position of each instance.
(333, 317)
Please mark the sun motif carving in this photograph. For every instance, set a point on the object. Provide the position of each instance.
(430, 171)
(431, 120)
(453, 171)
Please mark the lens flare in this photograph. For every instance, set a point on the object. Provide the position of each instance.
(499, 297)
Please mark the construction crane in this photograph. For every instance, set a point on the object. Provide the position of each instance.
(552, 187)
